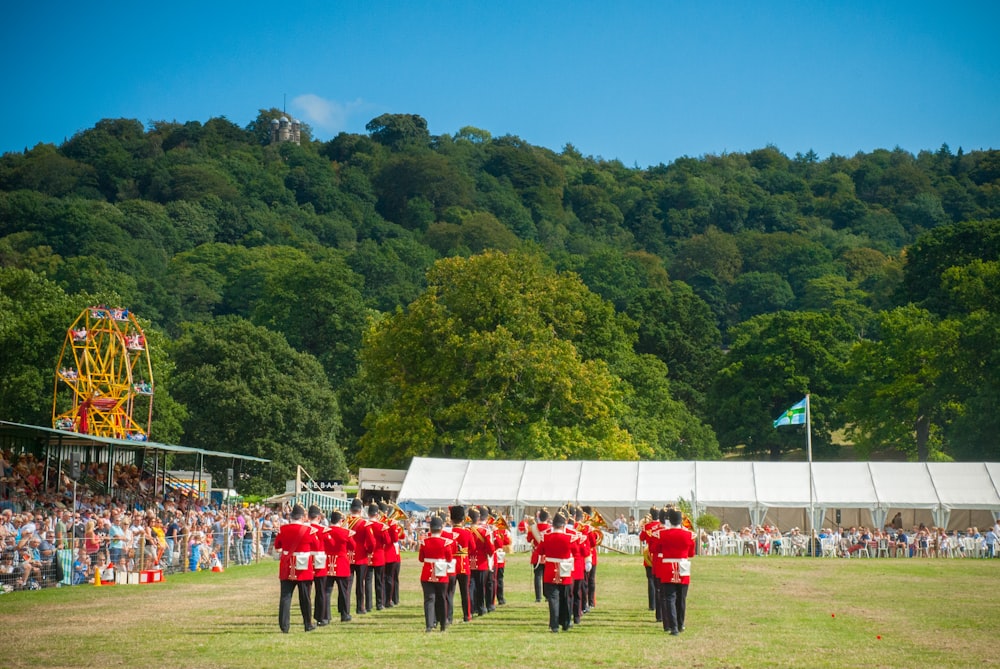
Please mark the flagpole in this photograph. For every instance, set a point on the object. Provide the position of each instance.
(809, 457)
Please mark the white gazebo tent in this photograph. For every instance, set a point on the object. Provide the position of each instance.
(752, 491)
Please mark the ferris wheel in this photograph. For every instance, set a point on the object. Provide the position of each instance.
(104, 379)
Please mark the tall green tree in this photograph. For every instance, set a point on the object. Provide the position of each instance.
(248, 392)
(898, 400)
(34, 316)
(775, 359)
(484, 365)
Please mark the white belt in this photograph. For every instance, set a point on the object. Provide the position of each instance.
(551, 559)
(434, 560)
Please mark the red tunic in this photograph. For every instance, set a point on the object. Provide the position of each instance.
(380, 535)
(556, 546)
(339, 544)
(463, 546)
(364, 541)
(320, 566)
(592, 535)
(536, 553)
(396, 534)
(434, 550)
(296, 541)
(644, 538)
(481, 548)
(501, 541)
(581, 551)
(666, 547)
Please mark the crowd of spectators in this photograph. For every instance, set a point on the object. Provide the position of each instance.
(844, 542)
(47, 540)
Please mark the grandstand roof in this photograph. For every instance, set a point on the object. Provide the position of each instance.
(9, 428)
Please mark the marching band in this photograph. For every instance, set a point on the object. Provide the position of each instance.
(465, 549)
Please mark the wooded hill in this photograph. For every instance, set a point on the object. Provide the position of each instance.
(378, 296)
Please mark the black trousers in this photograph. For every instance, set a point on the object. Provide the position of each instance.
(500, 597)
(579, 598)
(321, 600)
(674, 604)
(379, 582)
(360, 572)
(491, 589)
(449, 598)
(558, 597)
(539, 572)
(285, 603)
(652, 590)
(462, 584)
(343, 585)
(435, 604)
(477, 589)
(392, 583)
(592, 587)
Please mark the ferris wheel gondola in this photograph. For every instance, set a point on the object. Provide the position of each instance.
(104, 379)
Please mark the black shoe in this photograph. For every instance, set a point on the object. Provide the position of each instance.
(554, 630)
(284, 631)
(378, 608)
(674, 632)
(322, 623)
(310, 628)
(537, 601)
(429, 629)
(346, 619)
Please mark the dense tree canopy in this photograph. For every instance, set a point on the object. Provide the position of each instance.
(594, 309)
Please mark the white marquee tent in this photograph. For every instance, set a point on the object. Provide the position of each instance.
(757, 490)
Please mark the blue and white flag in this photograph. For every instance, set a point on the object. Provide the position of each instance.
(795, 415)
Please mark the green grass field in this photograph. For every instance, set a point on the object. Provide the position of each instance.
(742, 612)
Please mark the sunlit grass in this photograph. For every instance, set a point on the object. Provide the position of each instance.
(745, 612)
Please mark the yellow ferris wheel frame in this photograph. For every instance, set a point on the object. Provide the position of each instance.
(104, 377)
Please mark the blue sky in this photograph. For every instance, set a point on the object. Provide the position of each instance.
(643, 82)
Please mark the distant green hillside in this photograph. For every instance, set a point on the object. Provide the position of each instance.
(378, 296)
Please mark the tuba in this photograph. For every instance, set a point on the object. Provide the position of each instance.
(398, 514)
(599, 524)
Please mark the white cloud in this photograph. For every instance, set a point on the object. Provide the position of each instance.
(327, 115)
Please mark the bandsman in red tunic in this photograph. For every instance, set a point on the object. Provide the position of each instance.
(375, 578)
(594, 538)
(581, 566)
(502, 543)
(556, 547)
(462, 537)
(364, 543)
(339, 542)
(296, 541)
(480, 552)
(435, 554)
(395, 534)
(537, 558)
(672, 548)
(321, 601)
(652, 585)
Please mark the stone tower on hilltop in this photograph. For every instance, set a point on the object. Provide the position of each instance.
(284, 130)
